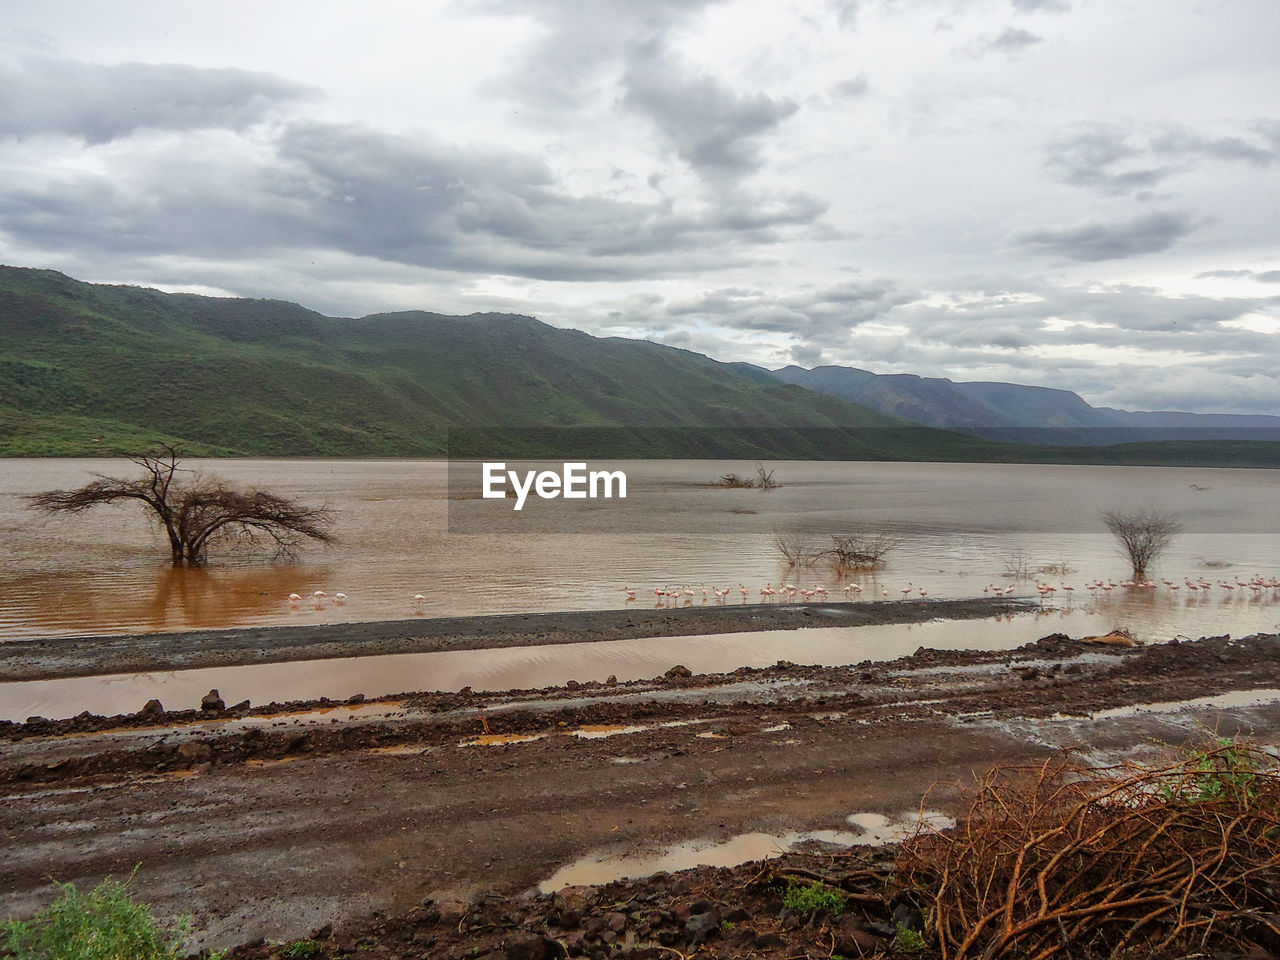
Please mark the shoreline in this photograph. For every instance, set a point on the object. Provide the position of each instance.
(82, 656)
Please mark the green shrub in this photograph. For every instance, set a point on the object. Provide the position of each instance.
(906, 940)
(301, 950)
(817, 897)
(103, 924)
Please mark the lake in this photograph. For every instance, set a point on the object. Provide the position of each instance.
(406, 530)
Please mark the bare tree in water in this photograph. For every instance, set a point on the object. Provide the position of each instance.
(196, 511)
(1143, 534)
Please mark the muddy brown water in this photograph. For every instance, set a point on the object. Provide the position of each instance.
(510, 668)
(959, 524)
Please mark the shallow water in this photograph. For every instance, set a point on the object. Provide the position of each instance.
(528, 667)
(959, 524)
(870, 829)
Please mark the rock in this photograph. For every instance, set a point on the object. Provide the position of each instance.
(768, 941)
(523, 945)
(152, 708)
(612, 681)
(853, 939)
(243, 705)
(353, 700)
(200, 768)
(702, 927)
(909, 916)
(617, 922)
(572, 685)
(678, 672)
(212, 702)
(193, 751)
(322, 933)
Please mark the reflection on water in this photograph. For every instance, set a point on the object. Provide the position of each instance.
(104, 572)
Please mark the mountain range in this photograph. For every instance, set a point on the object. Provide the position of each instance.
(1014, 412)
(100, 369)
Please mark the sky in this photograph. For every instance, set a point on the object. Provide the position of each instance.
(1081, 194)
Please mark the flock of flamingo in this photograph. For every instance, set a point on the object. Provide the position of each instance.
(1258, 587)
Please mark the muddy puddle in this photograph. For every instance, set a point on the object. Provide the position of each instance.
(868, 829)
(1222, 701)
(512, 668)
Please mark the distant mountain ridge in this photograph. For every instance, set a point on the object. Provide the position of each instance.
(92, 369)
(86, 368)
(1019, 413)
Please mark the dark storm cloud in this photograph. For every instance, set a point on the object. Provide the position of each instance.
(364, 193)
(1136, 237)
(712, 127)
(1115, 159)
(99, 103)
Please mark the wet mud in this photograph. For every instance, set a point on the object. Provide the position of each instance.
(278, 821)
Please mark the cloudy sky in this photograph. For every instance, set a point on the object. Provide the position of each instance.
(1074, 193)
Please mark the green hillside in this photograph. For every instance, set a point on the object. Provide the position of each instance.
(89, 369)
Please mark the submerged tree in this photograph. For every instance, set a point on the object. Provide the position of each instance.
(196, 511)
(1143, 534)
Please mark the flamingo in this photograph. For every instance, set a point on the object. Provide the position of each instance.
(295, 599)
(906, 590)
(339, 598)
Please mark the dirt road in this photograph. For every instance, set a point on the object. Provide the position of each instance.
(271, 825)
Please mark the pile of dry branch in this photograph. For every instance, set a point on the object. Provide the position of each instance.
(1076, 862)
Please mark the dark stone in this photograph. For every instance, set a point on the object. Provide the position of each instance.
(702, 927)
(678, 672)
(212, 702)
(612, 681)
(909, 916)
(241, 707)
(523, 945)
(572, 685)
(152, 708)
(768, 941)
(322, 933)
(617, 921)
(358, 698)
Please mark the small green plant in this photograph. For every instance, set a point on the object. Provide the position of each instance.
(1225, 771)
(301, 950)
(805, 901)
(104, 924)
(907, 940)
(726, 926)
